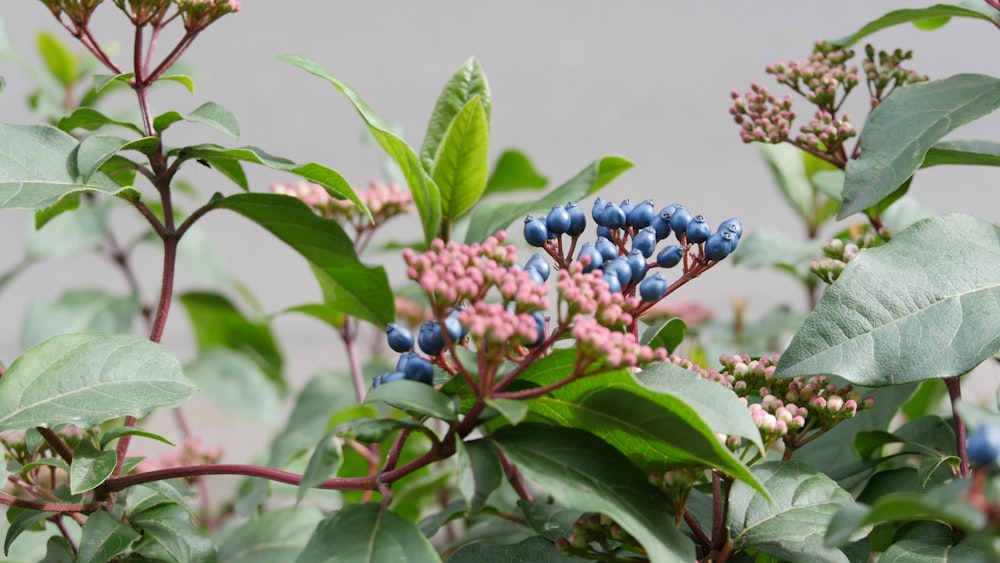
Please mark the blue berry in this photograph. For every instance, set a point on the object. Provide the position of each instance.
(608, 249)
(642, 214)
(388, 378)
(611, 278)
(603, 231)
(667, 212)
(540, 325)
(538, 263)
(660, 226)
(455, 329)
(984, 444)
(535, 276)
(627, 207)
(577, 220)
(733, 225)
(637, 263)
(419, 369)
(557, 221)
(679, 220)
(400, 338)
(670, 256)
(405, 358)
(698, 230)
(719, 245)
(596, 260)
(598, 209)
(621, 268)
(430, 339)
(645, 241)
(612, 217)
(653, 288)
(535, 231)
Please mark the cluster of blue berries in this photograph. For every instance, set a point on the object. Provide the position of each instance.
(430, 340)
(627, 237)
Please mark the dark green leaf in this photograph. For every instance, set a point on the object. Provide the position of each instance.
(935, 286)
(24, 520)
(87, 379)
(209, 113)
(479, 473)
(239, 385)
(59, 550)
(363, 532)
(62, 63)
(982, 153)
(901, 130)
(218, 323)
(325, 313)
(171, 527)
(667, 335)
(68, 203)
(514, 411)
(157, 493)
(460, 164)
(230, 168)
(938, 548)
(429, 525)
(78, 310)
(324, 463)
(491, 217)
(45, 461)
(356, 289)
(375, 430)
(514, 171)
(40, 168)
(468, 82)
(116, 433)
(550, 521)
(584, 473)
(91, 119)
(273, 536)
(414, 396)
(919, 16)
(791, 526)
(531, 550)
(425, 192)
(104, 537)
(90, 467)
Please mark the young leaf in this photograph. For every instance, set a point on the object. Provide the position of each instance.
(426, 194)
(479, 473)
(491, 217)
(468, 82)
(274, 535)
(209, 113)
(365, 532)
(104, 537)
(78, 310)
(531, 550)
(91, 119)
(324, 462)
(359, 290)
(916, 16)
(895, 302)
(513, 171)
(901, 130)
(87, 379)
(63, 64)
(584, 473)
(461, 161)
(414, 396)
(182, 79)
(90, 467)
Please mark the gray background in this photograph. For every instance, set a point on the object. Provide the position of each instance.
(571, 81)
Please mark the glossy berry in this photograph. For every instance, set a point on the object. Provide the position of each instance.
(698, 230)
(613, 217)
(577, 220)
(430, 339)
(627, 206)
(660, 226)
(557, 221)
(535, 276)
(405, 358)
(596, 260)
(679, 220)
(455, 329)
(642, 214)
(419, 369)
(984, 444)
(733, 225)
(603, 231)
(611, 278)
(653, 288)
(670, 256)
(540, 326)
(637, 264)
(400, 338)
(645, 241)
(667, 212)
(719, 245)
(608, 249)
(535, 231)
(598, 209)
(388, 378)
(538, 263)
(621, 268)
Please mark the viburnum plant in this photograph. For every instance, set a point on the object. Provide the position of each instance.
(554, 407)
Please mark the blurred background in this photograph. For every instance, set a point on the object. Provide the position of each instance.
(572, 81)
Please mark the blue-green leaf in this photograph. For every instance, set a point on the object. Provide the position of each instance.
(209, 113)
(364, 532)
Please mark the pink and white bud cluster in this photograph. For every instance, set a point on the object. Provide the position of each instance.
(826, 132)
(600, 346)
(385, 201)
(821, 77)
(492, 327)
(761, 116)
(838, 254)
(589, 294)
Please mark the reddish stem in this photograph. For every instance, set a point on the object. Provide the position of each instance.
(515, 477)
(56, 443)
(955, 394)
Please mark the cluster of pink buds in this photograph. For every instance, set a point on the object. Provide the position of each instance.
(761, 116)
(823, 78)
(826, 132)
(884, 73)
(385, 201)
(198, 14)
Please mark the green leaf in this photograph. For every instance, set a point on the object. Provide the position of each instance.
(69, 234)
(584, 473)
(45, 461)
(116, 433)
(24, 520)
(789, 171)
(934, 286)
(59, 550)
(919, 17)
(415, 397)
(981, 153)
(550, 521)
(182, 79)
(491, 217)
(365, 533)
(324, 462)
(274, 535)
(468, 82)
(78, 310)
(104, 537)
(479, 472)
(62, 63)
(90, 467)
(209, 113)
(426, 194)
(40, 168)
(95, 150)
(461, 162)
(375, 430)
(218, 323)
(88, 379)
(170, 525)
(531, 550)
(791, 526)
(319, 311)
(513, 171)
(238, 384)
(91, 119)
(901, 130)
(514, 411)
(358, 290)
(102, 81)
(667, 335)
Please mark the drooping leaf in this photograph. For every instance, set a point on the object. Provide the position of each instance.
(324, 463)
(491, 217)
(414, 397)
(584, 473)
(364, 532)
(901, 130)
(981, 153)
(91, 119)
(791, 527)
(171, 526)
(90, 467)
(512, 171)
(21, 522)
(460, 164)
(357, 290)
(425, 192)
(209, 113)
(531, 550)
(40, 168)
(934, 286)
(667, 335)
(78, 310)
(919, 17)
(479, 473)
(234, 381)
(104, 537)
(468, 82)
(274, 535)
(95, 150)
(87, 379)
